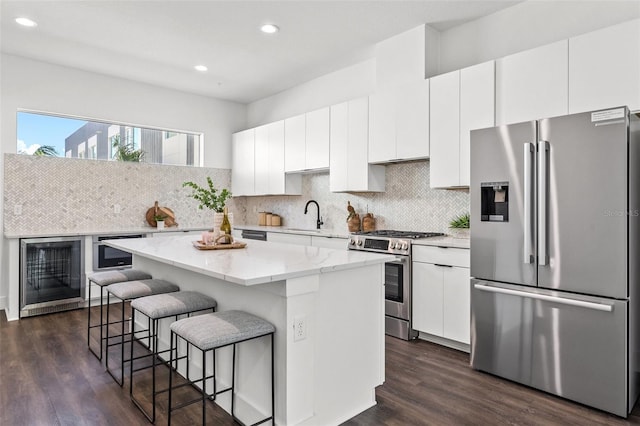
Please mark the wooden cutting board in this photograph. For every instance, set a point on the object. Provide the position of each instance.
(156, 210)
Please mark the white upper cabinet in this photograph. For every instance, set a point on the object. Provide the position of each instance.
(604, 68)
(399, 125)
(317, 140)
(307, 141)
(264, 174)
(460, 101)
(349, 169)
(533, 84)
(243, 168)
(295, 143)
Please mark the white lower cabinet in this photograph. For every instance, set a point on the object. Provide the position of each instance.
(441, 293)
(329, 242)
(281, 237)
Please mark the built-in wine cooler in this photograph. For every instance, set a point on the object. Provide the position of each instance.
(51, 275)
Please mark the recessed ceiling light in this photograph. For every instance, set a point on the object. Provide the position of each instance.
(269, 28)
(201, 68)
(26, 22)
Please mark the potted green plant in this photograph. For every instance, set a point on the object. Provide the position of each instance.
(459, 226)
(159, 218)
(211, 198)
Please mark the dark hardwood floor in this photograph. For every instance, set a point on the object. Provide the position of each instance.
(49, 377)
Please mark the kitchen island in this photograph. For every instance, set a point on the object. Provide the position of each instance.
(328, 309)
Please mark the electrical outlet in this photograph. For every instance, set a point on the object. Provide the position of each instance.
(299, 328)
(116, 208)
(17, 209)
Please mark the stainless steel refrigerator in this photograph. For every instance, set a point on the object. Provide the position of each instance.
(555, 255)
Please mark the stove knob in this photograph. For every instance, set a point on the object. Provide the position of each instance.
(405, 246)
(394, 245)
(352, 242)
(359, 242)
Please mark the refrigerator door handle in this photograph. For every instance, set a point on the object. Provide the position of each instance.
(529, 151)
(543, 149)
(536, 296)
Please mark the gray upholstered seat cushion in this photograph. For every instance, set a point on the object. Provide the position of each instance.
(112, 277)
(139, 288)
(221, 328)
(170, 304)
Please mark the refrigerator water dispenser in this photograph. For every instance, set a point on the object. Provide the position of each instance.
(494, 201)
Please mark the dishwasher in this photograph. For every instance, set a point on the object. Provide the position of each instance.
(249, 234)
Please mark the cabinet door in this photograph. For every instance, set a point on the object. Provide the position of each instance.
(339, 136)
(412, 121)
(357, 145)
(242, 172)
(445, 130)
(329, 242)
(261, 162)
(294, 143)
(456, 304)
(280, 237)
(427, 298)
(275, 158)
(604, 67)
(477, 109)
(533, 84)
(382, 138)
(317, 140)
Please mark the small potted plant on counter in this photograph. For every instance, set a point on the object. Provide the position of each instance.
(159, 218)
(213, 199)
(459, 226)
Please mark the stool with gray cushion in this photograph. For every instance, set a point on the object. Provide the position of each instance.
(103, 279)
(156, 308)
(211, 332)
(125, 292)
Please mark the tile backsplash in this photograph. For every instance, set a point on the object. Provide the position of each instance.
(408, 203)
(62, 195)
(68, 195)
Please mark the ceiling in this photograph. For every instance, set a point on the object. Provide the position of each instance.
(159, 42)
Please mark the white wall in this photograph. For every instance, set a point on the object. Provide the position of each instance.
(34, 85)
(528, 25)
(339, 86)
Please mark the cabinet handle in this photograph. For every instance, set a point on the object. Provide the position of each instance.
(444, 247)
(443, 266)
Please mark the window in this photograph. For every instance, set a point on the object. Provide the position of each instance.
(45, 134)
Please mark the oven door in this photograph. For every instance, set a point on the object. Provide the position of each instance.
(397, 288)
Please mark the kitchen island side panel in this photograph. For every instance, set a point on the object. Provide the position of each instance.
(325, 378)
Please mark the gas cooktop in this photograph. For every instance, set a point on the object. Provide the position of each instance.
(388, 233)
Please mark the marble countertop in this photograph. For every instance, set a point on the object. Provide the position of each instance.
(141, 230)
(444, 241)
(260, 262)
(328, 233)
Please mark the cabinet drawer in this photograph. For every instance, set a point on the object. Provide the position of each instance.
(441, 255)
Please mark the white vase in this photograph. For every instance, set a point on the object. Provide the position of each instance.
(459, 232)
(160, 224)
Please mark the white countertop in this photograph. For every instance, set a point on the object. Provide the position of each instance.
(141, 230)
(445, 241)
(260, 262)
(327, 233)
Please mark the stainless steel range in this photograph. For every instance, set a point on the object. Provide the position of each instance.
(397, 274)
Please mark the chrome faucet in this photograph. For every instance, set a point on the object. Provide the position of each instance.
(319, 220)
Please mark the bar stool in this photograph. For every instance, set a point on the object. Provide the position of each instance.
(214, 331)
(156, 308)
(103, 279)
(125, 292)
